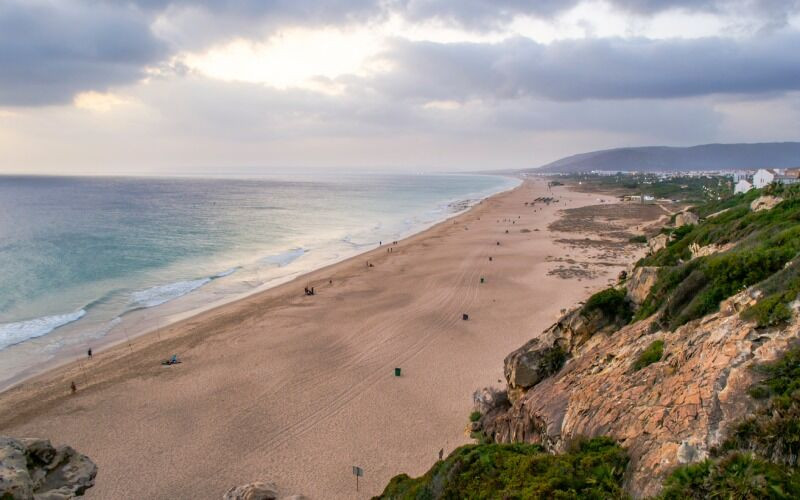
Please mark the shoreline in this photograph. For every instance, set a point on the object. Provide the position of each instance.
(296, 390)
(164, 315)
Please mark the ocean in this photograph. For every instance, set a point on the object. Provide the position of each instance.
(84, 260)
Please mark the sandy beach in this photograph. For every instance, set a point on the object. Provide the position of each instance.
(297, 389)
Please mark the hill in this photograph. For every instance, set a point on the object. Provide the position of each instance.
(673, 159)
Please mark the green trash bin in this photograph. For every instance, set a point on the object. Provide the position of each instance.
(397, 372)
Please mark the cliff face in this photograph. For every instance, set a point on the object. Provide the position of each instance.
(668, 413)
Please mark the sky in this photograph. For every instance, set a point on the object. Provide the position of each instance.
(182, 87)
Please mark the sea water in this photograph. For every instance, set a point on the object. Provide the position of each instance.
(82, 258)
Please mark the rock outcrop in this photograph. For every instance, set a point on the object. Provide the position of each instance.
(686, 218)
(706, 250)
(657, 242)
(640, 283)
(257, 491)
(668, 413)
(765, 203)
(34, 469)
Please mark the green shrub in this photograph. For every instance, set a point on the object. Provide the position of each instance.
(651, 355)
(613, 303)
(771, 310)
(591, 469)
(474, 416)
(736, 476)
(639, 238)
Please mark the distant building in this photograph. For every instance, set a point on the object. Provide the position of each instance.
(792, 172)
(764, 177)
(742, 187)
(767, 176)
(741, 175)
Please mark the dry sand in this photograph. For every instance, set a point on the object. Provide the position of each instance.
(294, 389)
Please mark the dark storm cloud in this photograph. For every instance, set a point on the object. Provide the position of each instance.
(49, 52)
(593, 68)
(489, 14)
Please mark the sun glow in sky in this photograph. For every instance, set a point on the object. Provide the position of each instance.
(139, 85)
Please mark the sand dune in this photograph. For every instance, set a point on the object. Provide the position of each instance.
(295, 389)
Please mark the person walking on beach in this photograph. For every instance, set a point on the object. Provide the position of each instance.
(89, 353)
(73, 387)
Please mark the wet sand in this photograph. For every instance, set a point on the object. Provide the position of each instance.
(297, 389)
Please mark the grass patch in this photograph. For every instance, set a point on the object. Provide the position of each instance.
(737, 476)
(591, 469)
(474, 416)
(651, 355)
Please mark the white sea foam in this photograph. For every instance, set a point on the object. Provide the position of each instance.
(285, 258)
(157, 295)
(14, 333)
(161, 294)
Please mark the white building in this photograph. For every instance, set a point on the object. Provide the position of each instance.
(764, 177)
(741, 175)
(742, 187)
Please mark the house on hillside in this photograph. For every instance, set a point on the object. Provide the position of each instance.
(767, 176)
(792, 172)
(764, 177)
(742, 186)
(741, 176)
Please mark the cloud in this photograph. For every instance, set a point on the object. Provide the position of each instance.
(51, 51)
(493, 14)
(593, 68)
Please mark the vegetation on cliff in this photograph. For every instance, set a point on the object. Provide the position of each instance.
(759, 245)
(759, 457)
(612, 303)
(652, 354)
(737, 476)
(773, 432)
(590, 469)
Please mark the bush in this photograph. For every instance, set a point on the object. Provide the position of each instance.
(771, 311)
(639, 238)
(737, 476)
(591, 469)
(650, 355)
(474, 416)
(613, 303)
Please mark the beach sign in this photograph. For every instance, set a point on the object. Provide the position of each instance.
(357, 471)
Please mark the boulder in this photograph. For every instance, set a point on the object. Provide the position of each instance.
(489, 398)
(34, 469)
(640, 282)
(765, 203)
(252, 491)
(658, 242)
(686, 218)
(532, 363)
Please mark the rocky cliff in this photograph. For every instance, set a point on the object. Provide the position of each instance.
(668, 413)
(669, 386)
(35, 469)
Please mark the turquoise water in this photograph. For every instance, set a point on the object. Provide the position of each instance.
(78, 254)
